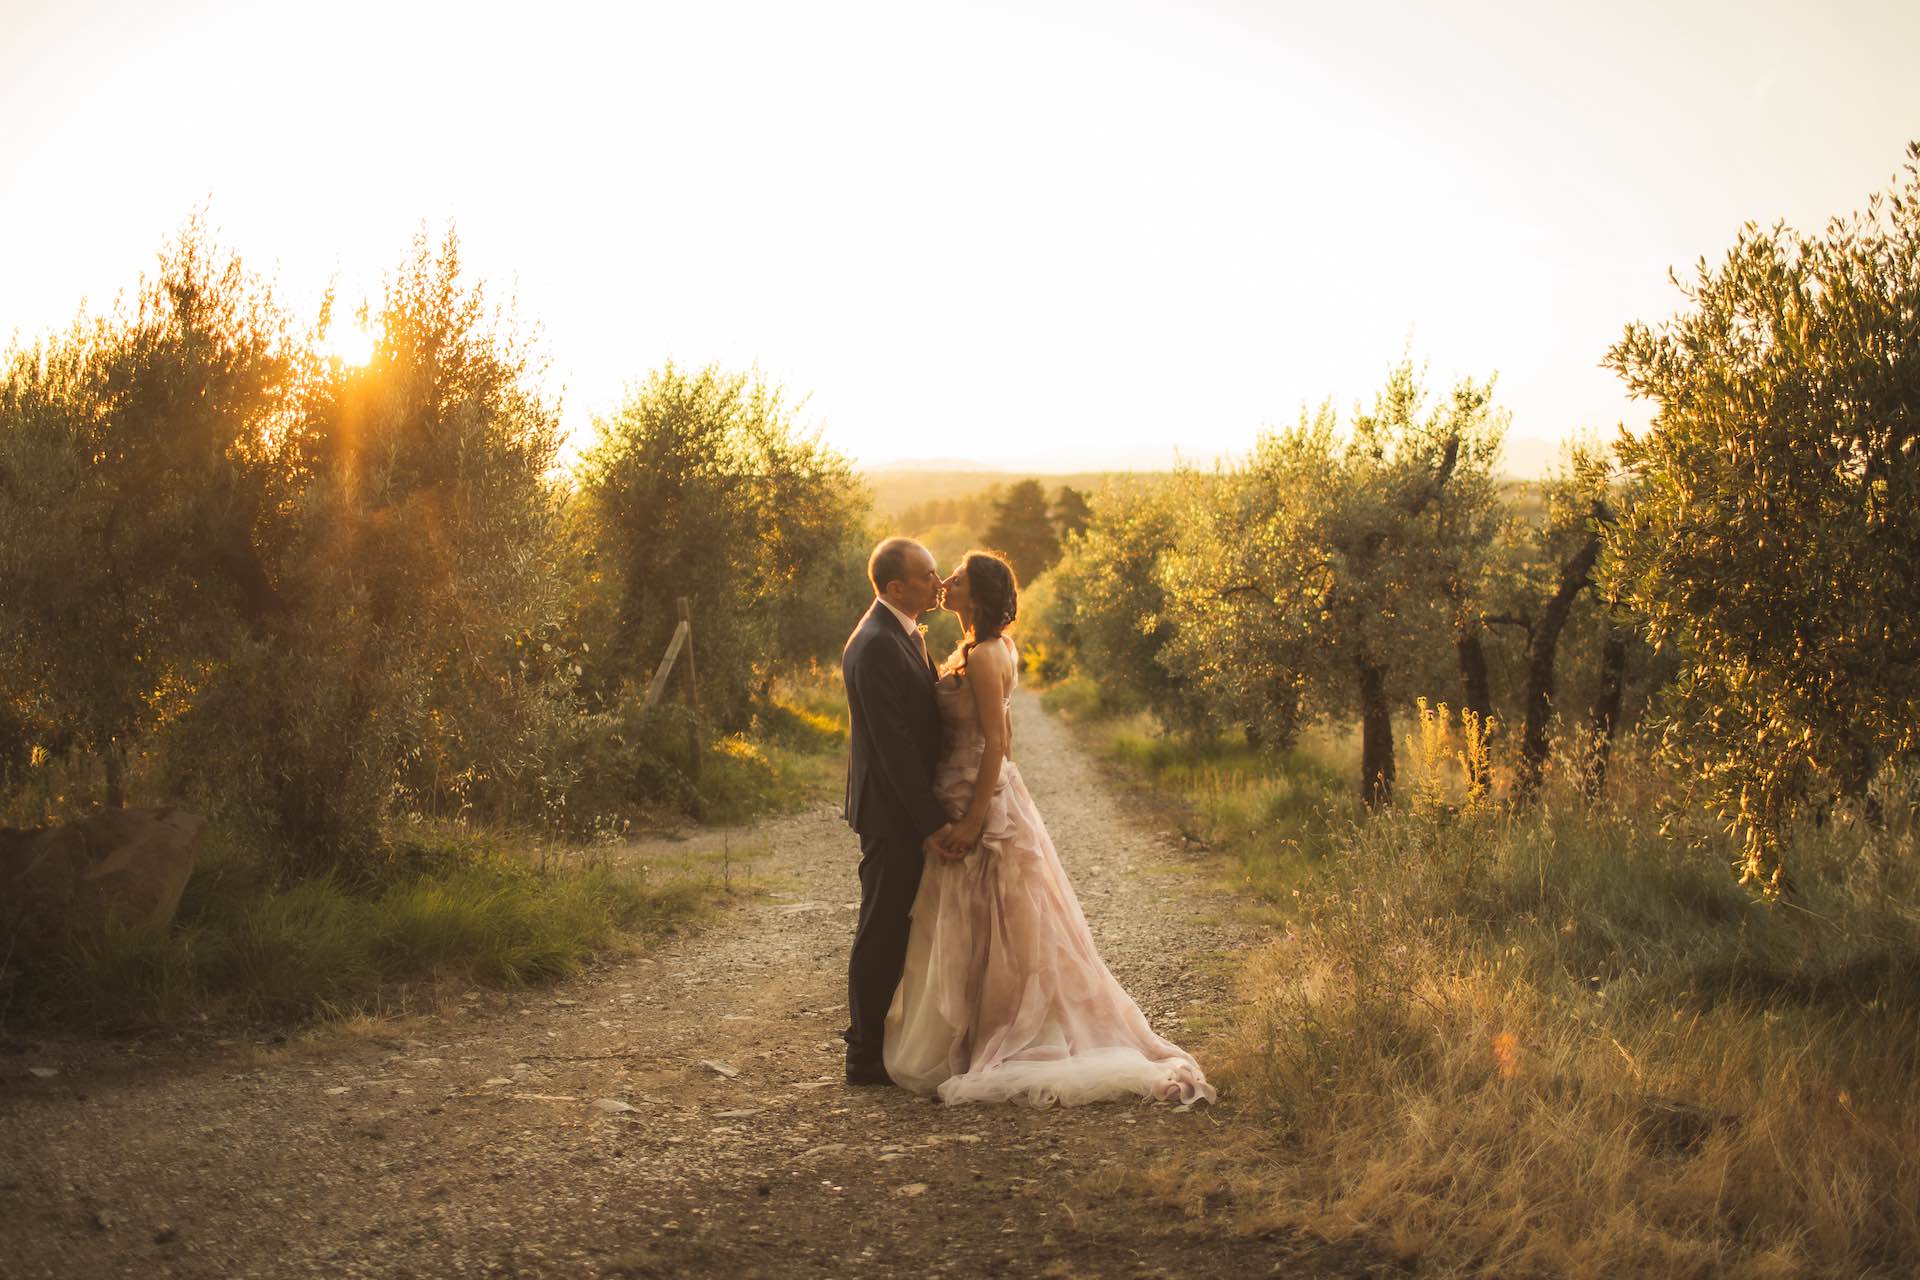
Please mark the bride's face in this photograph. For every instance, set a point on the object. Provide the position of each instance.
(957, 598)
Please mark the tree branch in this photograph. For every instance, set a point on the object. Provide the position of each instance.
(1449, 459)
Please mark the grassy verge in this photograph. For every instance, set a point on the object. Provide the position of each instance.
(244, 948)
(1558, 1042)
(452, 906)
(793, 756)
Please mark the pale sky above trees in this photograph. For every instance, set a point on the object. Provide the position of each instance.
(1034, 234)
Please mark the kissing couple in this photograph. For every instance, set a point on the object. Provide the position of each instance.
(973, 974)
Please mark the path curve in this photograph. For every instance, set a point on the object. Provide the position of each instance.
(672, 1114)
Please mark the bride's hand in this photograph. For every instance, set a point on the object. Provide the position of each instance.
(937, 842)
(964, 836)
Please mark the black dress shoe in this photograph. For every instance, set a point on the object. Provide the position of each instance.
(868, 1075)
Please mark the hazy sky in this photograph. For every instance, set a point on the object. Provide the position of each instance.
(1025, 234)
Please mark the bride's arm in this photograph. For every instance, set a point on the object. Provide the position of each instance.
(988, 671)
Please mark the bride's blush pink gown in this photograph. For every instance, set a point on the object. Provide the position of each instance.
(1004, 995)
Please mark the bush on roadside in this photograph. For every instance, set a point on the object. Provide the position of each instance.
(450, 907)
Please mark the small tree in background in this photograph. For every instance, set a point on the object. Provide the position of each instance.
(702, 486)
(1023, 530)
(1070, 512)
(1239, 654)
(1329, 563)
(1775, 541)
(1110, 605)
(1544, 573)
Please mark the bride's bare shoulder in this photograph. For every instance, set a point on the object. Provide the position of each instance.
(991, 657)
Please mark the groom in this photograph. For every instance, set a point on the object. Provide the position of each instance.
(890, 801)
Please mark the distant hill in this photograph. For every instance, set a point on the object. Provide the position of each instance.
(895, 491)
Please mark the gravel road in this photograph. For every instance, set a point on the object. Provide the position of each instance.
(674, 1113)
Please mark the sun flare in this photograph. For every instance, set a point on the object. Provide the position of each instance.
(348, 344)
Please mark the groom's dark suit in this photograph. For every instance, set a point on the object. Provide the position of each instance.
(890, 803)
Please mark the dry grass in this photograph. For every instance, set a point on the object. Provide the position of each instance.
(1561, 1043)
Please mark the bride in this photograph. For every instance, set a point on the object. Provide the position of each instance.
(1004, 994)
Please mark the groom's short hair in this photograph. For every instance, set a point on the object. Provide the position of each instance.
(888, 563)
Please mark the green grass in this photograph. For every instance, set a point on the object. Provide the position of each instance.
(793, 756)
(444, 903)
(1076, 698)
(1265, 813)
(245, 948)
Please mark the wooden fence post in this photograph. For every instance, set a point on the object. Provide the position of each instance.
(656, 685)
(693, 693)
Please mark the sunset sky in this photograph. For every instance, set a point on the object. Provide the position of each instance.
(1028, 235)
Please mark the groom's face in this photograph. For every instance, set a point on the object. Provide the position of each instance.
(917, 589)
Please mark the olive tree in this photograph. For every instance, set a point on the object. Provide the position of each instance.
(1325, 565)
(419, 574)
(701, 485)
(147, 458)
(1110, 605)
(1774, 544)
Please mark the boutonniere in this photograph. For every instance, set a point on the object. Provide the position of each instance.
(923, 630)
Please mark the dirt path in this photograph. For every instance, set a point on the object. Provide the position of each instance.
(677, 1114)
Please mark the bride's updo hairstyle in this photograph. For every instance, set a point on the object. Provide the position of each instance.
(996, 598)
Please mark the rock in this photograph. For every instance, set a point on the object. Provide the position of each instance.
(911, 1189)
(123, 866)
(612, 1106)
(720, 1067)
(165, 1234)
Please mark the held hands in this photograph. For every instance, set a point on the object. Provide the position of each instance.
(955, 840)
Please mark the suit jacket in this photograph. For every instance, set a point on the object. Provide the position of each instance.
(895, 732)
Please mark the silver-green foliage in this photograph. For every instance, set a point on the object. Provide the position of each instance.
(299, 593)
(1319, 574)
(147, 458)
(702, 486)
(1108, 605)
(1775, 542)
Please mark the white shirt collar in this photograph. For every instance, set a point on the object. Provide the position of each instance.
(911, 626)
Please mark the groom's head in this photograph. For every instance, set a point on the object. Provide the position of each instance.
(903, 575)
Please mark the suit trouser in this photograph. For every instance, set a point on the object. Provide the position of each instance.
(890, 867)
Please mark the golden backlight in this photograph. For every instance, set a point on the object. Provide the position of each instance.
(348, 344)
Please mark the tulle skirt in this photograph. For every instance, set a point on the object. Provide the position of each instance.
(1004, 996)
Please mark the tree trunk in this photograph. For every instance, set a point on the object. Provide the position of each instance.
(1541, 653)
(1477, 688)
(1376, 719)
(115, 759)
(1605, 718)
(1543, 648)
(1376, 734)
(1478, 694)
